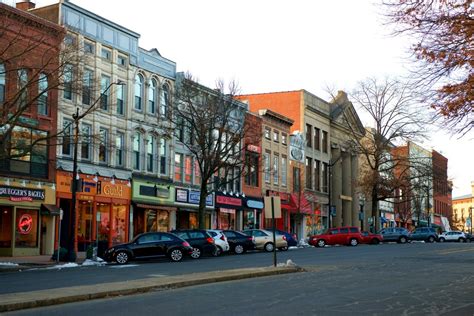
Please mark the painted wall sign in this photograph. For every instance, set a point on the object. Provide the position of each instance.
(254, 204)
(228, 200)
(17, 194)
(25, 224)
(181, 195)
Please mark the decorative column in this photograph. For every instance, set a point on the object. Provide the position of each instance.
(346, 189)
(336, 191)
(355, 194)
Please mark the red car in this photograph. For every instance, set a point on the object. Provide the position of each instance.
(350, 235)
(371, 238)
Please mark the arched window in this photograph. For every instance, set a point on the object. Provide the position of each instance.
(138, 92)
(163, 156)
(152, 97)
(136, 151)
(43, 94)
(22, 86)
(150, 153)
(2, 83)
(164, 101)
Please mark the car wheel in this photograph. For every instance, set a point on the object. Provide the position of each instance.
(353, 242)
(122, 257)
(217, 252)
(176, 255)
(375, 241)
(239, 249)
(196, 254)
(442, 240)
(269, 247)
(283, 248)
(402, 240)
(431, 239)
(462, 240)
(321, 243)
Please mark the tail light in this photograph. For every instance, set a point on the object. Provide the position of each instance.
(210, 240)
(249, 238)
(295, 237)
(284, 237)
(186, 244)
(223, 238)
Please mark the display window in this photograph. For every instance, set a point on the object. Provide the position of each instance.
(6, 215)
(84, 224)
(26, 235)
(226, 219)
(157, 221)
(119, 215)
(249, 219)
(104, 222)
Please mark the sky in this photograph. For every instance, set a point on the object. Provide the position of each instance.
(280, 45)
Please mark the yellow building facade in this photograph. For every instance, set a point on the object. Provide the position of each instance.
(463, 211)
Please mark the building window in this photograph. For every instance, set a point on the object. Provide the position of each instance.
(29, 149)
(325, 142)
(87, 81)
(67, 138)
(197, 172)
(325, 176)
(136, 151)
(267, 132)
(284, 139)
(163, 157)
(106, 54)
(89, 48)
(276, 162)
(251, 174)
(283, 171)
(104, 92)
(119, 145)
(67, 82)
(86, 133)
(276, 136)
(296, 179)
(121, 99)
(309, 129)
(150, 153)
(180, 129)
(188, 169)
(309, 173)
(178, 167)
(317, 184)
(164, 101)
(152, 97)
(237, 176)
(266, 164)
(43, 94)
(2, 83)
(23, 87)
(69, 40)
(138, 92)
(103, 142)
(317, 140)
(122, 60)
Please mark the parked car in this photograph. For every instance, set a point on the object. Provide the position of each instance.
(427, 234)
(220, 240)
(371, 238)
(337, 236)
(149, 245)
(397, 234)
(201, 242)
(264, 239)
(469, 237)
(291, 239)
(239, 242)
(453, 236)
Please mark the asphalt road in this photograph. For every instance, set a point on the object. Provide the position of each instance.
(413, 279)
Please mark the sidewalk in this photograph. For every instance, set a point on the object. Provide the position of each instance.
(17, 301)
(26, 262)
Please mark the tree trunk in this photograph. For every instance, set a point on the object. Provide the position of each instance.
(375, 210)
(202, 206)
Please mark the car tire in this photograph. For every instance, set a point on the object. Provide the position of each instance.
(176, 255)
(196, 254)
(283, 248)
(239, 249)
(442, 239)
(402, 240)
(353, 242)
(122, 257)
(462, 240)
(268, 247)
(431, 239)
(321, 243)
(217, 252)
(375, 241)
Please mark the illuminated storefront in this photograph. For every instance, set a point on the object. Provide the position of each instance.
(252, 213)
(103, 206)
(27, 211)
(187, 216)
(229, 207)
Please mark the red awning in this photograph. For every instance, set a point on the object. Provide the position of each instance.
(300, 203)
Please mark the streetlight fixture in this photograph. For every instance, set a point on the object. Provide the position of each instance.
(361, 214)
(72, 256)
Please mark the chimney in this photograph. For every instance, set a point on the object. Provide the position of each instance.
(25, 5)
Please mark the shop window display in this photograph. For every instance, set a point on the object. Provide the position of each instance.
(157, 221)
(6, 227)
(119, 213)
(26, 235)
(84, 227)
(104, 222)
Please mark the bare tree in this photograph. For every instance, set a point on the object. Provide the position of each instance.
(210, 125)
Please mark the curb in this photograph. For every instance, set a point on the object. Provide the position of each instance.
(17, 301)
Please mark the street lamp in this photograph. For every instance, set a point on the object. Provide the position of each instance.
(361, 214)
(330, 208)
(72, 256)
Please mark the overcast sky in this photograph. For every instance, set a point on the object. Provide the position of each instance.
(278, 45)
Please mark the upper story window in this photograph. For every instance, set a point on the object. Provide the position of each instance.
(267, 133)
(150, 153)
(103, 143)
(284, 173)
(325, 142)
(43, 94)
(87, 81)
(276, 136)
(309, 135)
(2, 83)
(309, 173)
(152, 97)
(317, 140)
(121, 60)
(138, 92)
(119, 148)
(105, 92)
(106, 54)
(89, 48)
(164, 101)
(69, 40)
(284, 139)
(67, 138)
(251, 174)
(23, 86)
(68, 80)
(86, 142)
(121, 99)
(163, 156)
(324, 170)
(178, 167)
(266, 166)
(276, 162)
(136, 151)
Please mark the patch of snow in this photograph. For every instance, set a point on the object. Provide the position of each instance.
(124, 266)
(289, 263)
(66, 265)
(292, 247)
(8, 264)
(89, 262)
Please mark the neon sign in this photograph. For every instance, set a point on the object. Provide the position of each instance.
(25, 224)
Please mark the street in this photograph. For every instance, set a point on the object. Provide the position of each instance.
(389, 279)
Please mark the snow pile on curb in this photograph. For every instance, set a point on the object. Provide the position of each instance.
(98, 262)
(289, 263)
(66, 265)
(8, 264)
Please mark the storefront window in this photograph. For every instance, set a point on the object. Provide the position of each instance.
(119, 213)
(84, 227)
(249, 219)
(26, 228)
(157, 221)
(104, 222)
(226, 219)
(193, 220)
(6, 227)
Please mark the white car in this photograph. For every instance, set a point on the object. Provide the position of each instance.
(220, 240)
(453, 236)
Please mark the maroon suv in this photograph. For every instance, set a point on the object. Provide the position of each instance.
(337, 236)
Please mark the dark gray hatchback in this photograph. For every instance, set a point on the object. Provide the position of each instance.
(427, 234)
(397, 234)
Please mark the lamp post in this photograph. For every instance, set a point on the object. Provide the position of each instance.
(72, 246)
(330, 208)
(361, 214)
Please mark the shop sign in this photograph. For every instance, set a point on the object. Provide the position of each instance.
(17, 194)
(297, 145)
(25, 224)
(254, 204)
(181, 195)
(254, 148)
(194, 197)
(154, 191)
(228, 200)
